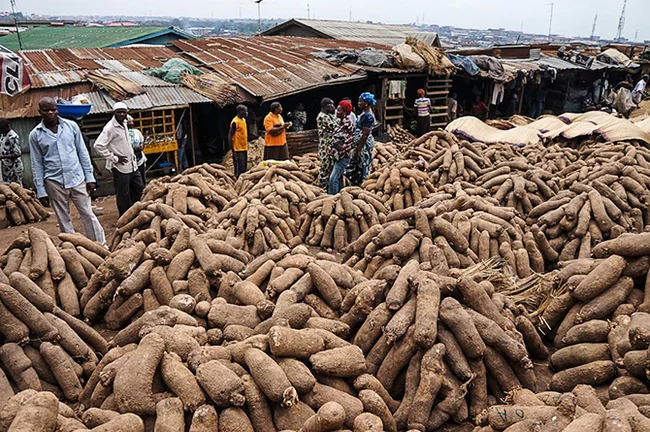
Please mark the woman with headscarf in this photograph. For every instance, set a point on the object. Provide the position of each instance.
(364, 142)
(137, 142)
(12, 165)
(342, 142)
(423, 108)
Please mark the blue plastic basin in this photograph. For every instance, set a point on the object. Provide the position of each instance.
(73, 111)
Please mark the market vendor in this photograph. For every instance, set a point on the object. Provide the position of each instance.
(113, 144)
(423, 108)
(326, 123)
(62, 170)
(364, 142)
(275, 141)
(238, 140)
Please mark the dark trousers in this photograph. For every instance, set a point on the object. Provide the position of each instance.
(128, 188)
(240, 162)
(279, 153)
(142, 169)
(424, 123)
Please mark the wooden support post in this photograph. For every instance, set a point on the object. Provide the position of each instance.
(193, 139)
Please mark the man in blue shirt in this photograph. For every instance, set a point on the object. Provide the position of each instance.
(62, 170)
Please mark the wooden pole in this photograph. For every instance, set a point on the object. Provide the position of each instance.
(192, 134)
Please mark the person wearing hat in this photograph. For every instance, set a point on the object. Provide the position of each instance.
(62, 170)
(114, 145)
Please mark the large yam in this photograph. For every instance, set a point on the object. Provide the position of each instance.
(323, 394)
(38, 414)
(221, 384)
(599, 279)
(595, 373)
(270, 378)
(27, 313)
(133, 384)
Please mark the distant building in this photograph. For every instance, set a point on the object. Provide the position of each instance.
(382, 34)
(91, 37)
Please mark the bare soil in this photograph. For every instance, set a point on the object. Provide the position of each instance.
(106, 211)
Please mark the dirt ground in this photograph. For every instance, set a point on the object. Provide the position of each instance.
(105, 205)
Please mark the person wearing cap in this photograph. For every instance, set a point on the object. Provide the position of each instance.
(114, 146)
(62, 170)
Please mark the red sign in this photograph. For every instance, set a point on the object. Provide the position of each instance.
(13, 73)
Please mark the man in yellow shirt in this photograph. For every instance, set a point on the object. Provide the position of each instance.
(275, 141)
(238, 140)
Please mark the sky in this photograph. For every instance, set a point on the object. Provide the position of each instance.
(570, 17)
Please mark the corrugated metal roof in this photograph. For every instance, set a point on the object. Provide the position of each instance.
(55, 79)
(155, 97)
(270, 67)
(383, 34)
(66, 70)
(132, 58)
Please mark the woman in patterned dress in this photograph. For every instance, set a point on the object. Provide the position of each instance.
(10, 151)
(326, 122)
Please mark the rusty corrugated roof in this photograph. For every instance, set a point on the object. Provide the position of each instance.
(67, 69)
(134, 58)
(271, 67)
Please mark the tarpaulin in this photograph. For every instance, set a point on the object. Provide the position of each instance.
(492, 66)
(465, 63)
(13, 73)
(366, 57)
(172, 70)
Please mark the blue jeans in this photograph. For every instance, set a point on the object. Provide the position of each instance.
(336, 178)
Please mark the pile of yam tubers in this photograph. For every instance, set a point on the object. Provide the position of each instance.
(462, 288)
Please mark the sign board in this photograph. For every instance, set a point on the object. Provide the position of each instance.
(12, 73)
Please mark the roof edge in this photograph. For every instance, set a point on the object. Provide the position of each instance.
(273, 30)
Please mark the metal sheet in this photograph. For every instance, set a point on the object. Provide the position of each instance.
(269, 67)
(55, 79)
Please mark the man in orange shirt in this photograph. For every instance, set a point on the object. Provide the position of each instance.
(238, 140)
(275, 141)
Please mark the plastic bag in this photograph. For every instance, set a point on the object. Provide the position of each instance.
(406, 58)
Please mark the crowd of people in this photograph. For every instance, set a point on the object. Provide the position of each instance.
(345, 141)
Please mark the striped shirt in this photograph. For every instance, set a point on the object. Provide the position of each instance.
(423, 105)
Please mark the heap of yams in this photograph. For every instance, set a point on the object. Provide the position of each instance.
(462, 287)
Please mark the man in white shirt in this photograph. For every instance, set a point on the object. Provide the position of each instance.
(114, 146)
(639, 89)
